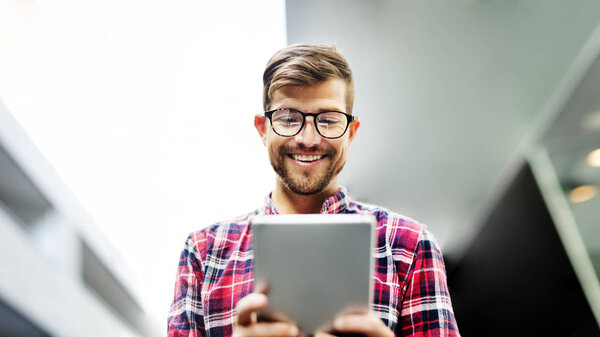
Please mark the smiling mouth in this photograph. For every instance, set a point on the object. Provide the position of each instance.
(306, 158)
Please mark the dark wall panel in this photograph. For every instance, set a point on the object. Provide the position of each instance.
(516, 278)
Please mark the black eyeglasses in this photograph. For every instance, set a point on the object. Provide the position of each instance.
(289, 122)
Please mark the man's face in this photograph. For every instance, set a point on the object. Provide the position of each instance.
(308, 163)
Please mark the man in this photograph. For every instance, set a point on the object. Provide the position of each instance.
(307, 128)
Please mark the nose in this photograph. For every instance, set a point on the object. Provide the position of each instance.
(308, 136)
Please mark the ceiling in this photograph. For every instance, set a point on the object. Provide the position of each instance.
(447, 93)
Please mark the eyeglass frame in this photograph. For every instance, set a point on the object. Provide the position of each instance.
(349, 117)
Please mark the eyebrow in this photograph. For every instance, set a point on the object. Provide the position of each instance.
(320, 110)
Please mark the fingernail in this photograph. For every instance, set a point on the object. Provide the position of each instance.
(294, 331)
(338, 323)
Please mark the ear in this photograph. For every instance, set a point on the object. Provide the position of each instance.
(354, 125)
(260, 125)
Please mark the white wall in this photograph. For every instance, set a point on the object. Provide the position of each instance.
(145, 110)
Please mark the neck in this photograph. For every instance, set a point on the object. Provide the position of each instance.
(288, 202)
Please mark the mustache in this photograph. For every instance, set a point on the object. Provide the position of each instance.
(285, 149)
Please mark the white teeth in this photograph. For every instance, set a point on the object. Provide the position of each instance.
(308, 158)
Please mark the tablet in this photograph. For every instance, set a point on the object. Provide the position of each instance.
(314, 266)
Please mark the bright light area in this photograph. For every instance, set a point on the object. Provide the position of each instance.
(145, 109)
(593, 158)
(582, 193)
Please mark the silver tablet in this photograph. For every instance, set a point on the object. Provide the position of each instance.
(314, 266)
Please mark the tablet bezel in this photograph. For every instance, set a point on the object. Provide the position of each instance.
(273, 248)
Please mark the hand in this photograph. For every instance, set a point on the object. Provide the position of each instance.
(246, 323)
(362, 324)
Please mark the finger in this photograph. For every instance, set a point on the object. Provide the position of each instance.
(262, 288)
(277, 329)
(247, 306)
(366, 324)
(323, 334)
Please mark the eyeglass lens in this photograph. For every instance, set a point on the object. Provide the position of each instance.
(329, 124)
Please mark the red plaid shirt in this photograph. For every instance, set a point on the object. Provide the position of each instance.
(410, 291)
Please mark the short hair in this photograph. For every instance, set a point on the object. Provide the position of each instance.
(303, 65)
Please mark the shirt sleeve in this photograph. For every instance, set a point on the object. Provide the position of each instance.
(426, 308)
(186, 318)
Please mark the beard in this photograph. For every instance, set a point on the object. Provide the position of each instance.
(308, 181)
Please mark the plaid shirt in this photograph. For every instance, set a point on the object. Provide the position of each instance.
(410, 291)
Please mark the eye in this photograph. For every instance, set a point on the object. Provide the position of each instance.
(331, 119)
(328, 121)
(287, 120)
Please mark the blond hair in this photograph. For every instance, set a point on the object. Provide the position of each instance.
(303, 65)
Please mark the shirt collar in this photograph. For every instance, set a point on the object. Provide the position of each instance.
(336, 203)
(269, 206)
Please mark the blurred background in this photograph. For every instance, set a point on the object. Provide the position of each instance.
(126, 125)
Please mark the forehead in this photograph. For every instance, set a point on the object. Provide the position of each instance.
(329, 94)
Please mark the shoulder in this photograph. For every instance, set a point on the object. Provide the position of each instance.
(394, 229)
(219, 235)
(409, 242)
